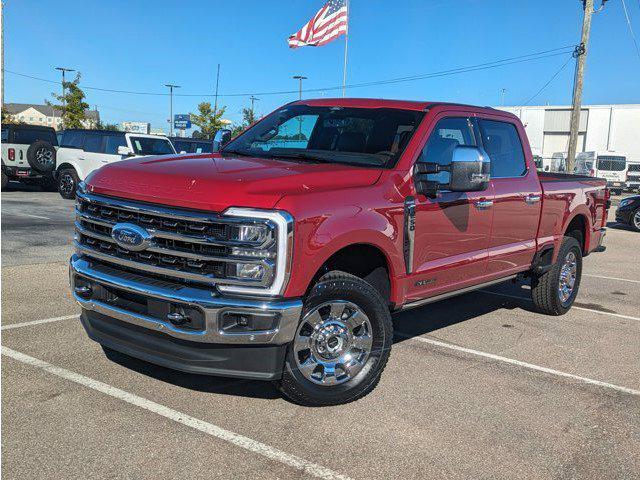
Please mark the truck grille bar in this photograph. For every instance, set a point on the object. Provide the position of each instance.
(186, 245)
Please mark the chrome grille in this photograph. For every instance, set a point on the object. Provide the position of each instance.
(191, 246)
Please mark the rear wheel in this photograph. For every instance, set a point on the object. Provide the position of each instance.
(635, 220)
(67, 183)
(342, 343)
(554, 291)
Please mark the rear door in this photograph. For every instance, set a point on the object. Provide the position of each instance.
(452, 230)
(517, 197)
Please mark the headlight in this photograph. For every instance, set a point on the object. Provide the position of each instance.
(267, 237)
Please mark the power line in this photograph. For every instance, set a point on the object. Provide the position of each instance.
(633, 35)
(455, 71)
(549, 82)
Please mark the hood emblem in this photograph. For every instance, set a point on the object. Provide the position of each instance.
(130, 236)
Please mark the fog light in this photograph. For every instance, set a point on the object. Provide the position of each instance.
(249, 271)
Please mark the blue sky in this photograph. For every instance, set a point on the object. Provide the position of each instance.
(141, 45)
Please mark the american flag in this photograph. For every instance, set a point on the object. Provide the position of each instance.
(328, 24)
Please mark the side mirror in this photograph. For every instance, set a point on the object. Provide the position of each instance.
(183, 152)
(470, 170)
(221, 137)
(124, 151)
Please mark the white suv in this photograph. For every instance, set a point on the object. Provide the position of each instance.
(83, 151)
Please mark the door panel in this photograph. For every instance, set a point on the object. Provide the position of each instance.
(517, 202)
(452, 231)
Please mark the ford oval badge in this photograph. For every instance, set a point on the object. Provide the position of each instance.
(131, 237)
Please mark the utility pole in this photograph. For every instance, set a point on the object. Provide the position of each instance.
(300, 78)
(215, 104)
(171, 87)
(580, 54)
(253, 99)
(63, 70)
(502, 94)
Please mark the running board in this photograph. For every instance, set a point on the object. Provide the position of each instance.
(443, 296)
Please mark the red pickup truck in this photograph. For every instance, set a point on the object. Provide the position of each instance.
(283, 256)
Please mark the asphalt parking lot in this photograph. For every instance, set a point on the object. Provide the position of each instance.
(478, 386)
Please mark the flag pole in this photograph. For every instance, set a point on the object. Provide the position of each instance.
(346, 49)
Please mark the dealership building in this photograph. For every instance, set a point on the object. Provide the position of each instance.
(614, 128)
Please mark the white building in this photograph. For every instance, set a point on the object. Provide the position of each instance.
(602, 127)
(44, 115)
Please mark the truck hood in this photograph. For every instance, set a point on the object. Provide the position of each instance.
(212, 183)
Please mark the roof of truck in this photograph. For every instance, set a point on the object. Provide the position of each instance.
(379, 103)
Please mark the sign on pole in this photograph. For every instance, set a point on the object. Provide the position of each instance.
(181, 121)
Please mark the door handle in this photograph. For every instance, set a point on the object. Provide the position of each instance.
(531, 199)
(483, 204)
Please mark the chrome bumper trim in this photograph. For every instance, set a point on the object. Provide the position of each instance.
(211, 305)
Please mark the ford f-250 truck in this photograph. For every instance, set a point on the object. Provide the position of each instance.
(283, 256)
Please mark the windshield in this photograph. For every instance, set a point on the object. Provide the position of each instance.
(615, 164)
(151, 146)
(360, 136)
(193, 147)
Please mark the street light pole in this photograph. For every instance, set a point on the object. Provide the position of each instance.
(171, 87)
(63, 70)
(300, 78)
(253, 99)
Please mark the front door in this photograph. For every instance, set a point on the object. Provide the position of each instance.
(452, 230)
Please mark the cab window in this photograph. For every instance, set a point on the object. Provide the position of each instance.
(502, 143)
(93, 143)
(112, 142)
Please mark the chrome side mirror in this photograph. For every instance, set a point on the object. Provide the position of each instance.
(470, 170)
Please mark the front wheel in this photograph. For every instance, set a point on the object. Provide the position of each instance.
(342, 343)
(635, 220)
(67, 183)
(554, 291)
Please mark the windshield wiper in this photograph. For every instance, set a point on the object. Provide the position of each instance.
(237, 152)
(298, 155)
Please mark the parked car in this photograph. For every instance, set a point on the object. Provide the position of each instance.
(611, 166)
(83, 151)
(628, 212)
(28, 154)
(633, 177)
(192, 145)
(283, 256)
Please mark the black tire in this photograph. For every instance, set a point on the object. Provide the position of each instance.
(41, 156)
(68, 183)
(5, 181)
(634, 220)
(340, 286)
(545, 289)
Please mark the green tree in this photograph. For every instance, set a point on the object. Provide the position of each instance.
(72, 104)
(106, 126)
(208, 121)
(248, 118)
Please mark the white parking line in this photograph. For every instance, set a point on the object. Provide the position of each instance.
(584, 309)
(11, 326)
(522, 364)
(611, 278)
(179, 417)
(21, 214)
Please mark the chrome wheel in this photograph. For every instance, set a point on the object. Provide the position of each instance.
(67, 184)
(636, 219)
(567, 280)
(333, 343)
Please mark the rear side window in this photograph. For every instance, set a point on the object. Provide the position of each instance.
(93, 143)
(112, 142)
(502, 143)
(71, 139)
(448, 134)
(27, 136)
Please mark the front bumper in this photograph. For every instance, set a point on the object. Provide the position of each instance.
(129, 313)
